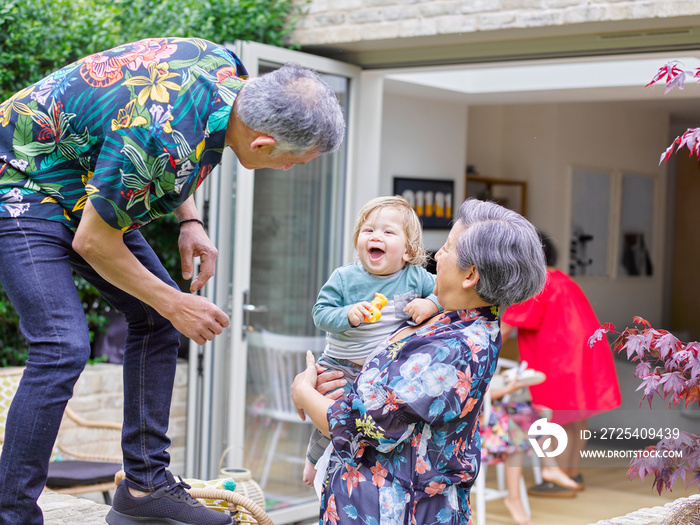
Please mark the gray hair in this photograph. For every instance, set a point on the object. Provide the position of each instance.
(506, 251)
(294, 106)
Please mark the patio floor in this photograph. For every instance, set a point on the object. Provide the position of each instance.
(608, 494)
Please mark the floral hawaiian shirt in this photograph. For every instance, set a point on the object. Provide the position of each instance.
(135, 129)
(406, 444)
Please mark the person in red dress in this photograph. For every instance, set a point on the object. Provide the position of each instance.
(553, 332)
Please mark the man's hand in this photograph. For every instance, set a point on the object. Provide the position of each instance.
(197, 318)
(194, 242)
(421, 309)
(103, 248)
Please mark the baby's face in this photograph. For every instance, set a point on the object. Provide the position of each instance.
(381, 243)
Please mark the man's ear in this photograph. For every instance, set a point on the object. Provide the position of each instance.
(261, 141)
(471, 278)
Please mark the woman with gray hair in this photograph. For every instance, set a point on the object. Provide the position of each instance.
(405, 441)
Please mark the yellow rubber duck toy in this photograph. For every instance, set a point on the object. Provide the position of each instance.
(378, 303)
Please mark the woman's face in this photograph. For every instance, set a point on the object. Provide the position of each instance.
(381, 243)
(450, 277)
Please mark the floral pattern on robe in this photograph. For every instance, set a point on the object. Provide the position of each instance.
(406, 445)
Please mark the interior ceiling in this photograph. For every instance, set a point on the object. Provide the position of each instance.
(619, 79)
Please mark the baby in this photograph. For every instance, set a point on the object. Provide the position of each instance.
(388, 241)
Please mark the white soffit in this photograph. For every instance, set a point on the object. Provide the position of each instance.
(611, 78)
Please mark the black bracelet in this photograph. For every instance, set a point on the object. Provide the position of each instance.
(190, 220)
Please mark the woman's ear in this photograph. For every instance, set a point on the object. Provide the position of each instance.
(471, 278)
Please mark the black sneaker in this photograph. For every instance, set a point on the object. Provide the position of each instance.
(169, 505)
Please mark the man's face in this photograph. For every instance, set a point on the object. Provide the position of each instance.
(264, 157)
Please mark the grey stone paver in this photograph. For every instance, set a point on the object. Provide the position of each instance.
(63, 509)
(650, 516)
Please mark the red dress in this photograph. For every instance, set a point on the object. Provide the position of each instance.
(553, 332)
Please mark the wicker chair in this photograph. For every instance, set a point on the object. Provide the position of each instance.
(87, 454)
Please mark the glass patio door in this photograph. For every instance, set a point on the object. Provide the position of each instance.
(279, 235)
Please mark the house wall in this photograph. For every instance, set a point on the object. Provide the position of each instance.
(540, 143)
(423, 139)
(339, 21)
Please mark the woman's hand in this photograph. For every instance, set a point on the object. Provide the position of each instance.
(304, 382)
(329, 382)
(307, 400)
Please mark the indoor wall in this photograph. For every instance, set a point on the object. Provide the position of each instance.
(541, 143)
(424, 138)
(685, 302)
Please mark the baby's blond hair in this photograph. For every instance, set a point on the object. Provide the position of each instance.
(411, 225)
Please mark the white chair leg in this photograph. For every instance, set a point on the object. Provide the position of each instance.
(270, 454)
(480, 506)
(536, 469)
(501, 476)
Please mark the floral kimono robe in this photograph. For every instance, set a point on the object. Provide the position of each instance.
(406, 445)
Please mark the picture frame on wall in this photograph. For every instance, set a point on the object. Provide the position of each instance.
(511, 194)
(432, 199)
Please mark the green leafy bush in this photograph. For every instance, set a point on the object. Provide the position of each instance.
(40, 36)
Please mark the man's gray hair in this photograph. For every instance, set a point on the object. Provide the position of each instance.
(294, 106)
(506, 250)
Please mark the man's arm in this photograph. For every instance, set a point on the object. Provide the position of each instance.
(103, 248)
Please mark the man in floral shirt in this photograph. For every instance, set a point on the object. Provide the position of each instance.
(87, 156)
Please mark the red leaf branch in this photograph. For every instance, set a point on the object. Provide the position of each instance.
(674, 75)
(671, 369)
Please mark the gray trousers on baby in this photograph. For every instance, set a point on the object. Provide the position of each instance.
(318, 442)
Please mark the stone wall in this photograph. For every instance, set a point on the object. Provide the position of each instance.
(98, 396)
(342, 21)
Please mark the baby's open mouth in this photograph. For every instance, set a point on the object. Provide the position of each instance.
(375, 254)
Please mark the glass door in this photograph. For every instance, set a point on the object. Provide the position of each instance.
(286, 238)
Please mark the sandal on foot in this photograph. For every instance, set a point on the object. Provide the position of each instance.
(579, 479)
(549, 489)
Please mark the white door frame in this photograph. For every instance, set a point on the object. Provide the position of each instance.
(217, 378)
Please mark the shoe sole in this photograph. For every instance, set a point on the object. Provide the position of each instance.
(117, 518)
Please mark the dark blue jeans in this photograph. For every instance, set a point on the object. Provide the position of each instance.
(36, 264)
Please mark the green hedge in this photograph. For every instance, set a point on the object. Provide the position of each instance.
(40, 36)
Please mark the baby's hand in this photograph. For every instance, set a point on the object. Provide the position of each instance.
(358, 312)
(421, 309)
